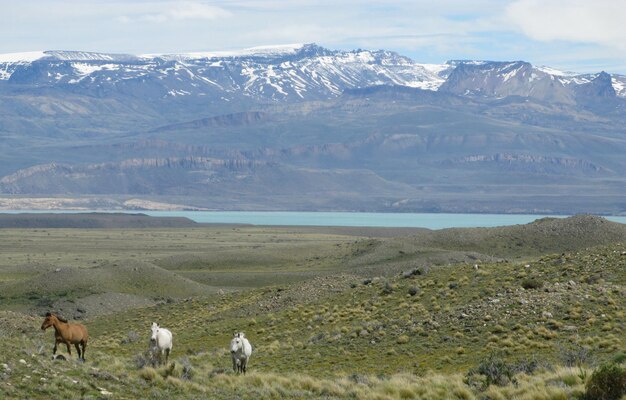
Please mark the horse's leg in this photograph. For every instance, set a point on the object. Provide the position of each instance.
(69, 348)
(54, 349)
(244, 365)
(234, 366)
(84, 344)
(77, 350)
(167, 355)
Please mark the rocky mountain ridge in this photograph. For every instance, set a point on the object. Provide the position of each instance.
(309, 128)
(290, 73)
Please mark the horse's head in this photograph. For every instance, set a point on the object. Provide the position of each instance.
(49, 321)
(155, 330)
(237, 343)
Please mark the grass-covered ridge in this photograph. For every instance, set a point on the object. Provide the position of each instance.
(516, 326)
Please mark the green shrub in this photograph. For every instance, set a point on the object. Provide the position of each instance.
(532, 283)
(619, 358)
(608, 382)
(402, 339)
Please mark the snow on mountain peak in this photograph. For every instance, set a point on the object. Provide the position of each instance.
(553, 71)
(280, 72)
(70, 55)
(258, 51)
(21, 57)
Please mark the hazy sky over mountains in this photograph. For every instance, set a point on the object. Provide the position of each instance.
(577, 35)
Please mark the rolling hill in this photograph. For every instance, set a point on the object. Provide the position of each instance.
(539, 324)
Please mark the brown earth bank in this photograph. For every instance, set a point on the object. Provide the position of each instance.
(91, 221)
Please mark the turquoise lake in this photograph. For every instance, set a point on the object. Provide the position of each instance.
(395, 220)
(391, 220)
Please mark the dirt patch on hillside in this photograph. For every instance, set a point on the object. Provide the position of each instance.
(278, 298)
(101, 304)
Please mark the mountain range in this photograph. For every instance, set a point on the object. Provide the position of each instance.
(302, 127)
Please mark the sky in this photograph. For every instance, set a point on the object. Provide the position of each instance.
(572, 35)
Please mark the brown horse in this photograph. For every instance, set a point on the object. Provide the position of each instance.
(67, 333)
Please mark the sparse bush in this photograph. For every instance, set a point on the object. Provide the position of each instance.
(593, 279)
(608, 382)
(554, 325)
(413, 272)
(131, 337)
(498, 329)
(168, 370)
(45, 302)
(360, 379)
(188, 371)
(574, 355)
(148, 374)
(317, 337)
(144, 359)
(402, 339)
(218, 371)
(526, 366)
(387, 288)
(532, 283)
(495, 370)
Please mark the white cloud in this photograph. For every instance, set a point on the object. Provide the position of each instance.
(599, 21)
(175, 11)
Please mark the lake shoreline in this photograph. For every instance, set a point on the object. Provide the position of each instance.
(409, 221)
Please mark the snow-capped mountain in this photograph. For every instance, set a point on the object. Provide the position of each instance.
(305, 127)
(285, 73)
(519, 78)
(264, 73)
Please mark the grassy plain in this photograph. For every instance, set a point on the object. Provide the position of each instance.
(331, 313)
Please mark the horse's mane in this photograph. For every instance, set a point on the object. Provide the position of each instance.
(49, 314)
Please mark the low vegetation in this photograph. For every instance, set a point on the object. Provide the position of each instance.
(405, 329)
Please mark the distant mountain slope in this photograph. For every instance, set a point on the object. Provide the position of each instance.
(384, 132)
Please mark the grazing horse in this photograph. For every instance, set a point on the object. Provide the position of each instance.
(240, 351)
(67, 333)
(160, 342)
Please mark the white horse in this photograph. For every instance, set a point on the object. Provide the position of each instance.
(160, 342)
(240, 351)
